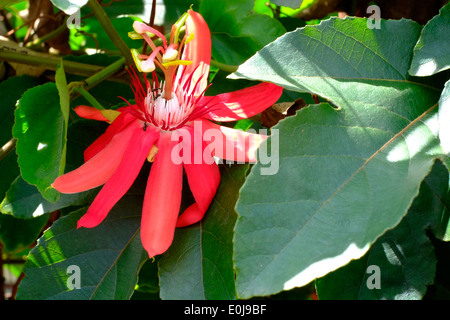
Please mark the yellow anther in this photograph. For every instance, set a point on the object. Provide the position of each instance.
(177, 63)
(152, 154)
(170, 55)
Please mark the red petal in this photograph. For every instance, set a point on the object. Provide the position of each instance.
(122, 179)
(240, 104)
(90, 113)
(99, 168)
(203, 179)
(198, 50)
(162, 199)
(121, 122)
(228, 143)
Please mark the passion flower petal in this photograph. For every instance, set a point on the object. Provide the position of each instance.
(162, 199)
(122, 179)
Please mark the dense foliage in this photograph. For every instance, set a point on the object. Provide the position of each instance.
(351, 203)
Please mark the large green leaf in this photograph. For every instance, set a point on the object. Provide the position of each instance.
(41, 133)
(25, 201)
(432, 51)
(346, 174)
(108, 257)
(404, 255)
(199, 265)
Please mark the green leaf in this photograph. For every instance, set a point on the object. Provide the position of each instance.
(432, 51)
(404, 255)
(339, 50)
(24, 201)
(198, 265)
(108, 256)
(11, 90)
(92, 34)
(8, 171)
(40, 133)
(17, 235)
(236, 32)
(6, 3)
(346, 174)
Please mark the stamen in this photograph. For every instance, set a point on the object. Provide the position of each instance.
(152, 153)
(170, 54)
(143, 28)
(149, 64)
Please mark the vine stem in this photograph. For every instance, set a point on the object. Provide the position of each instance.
(112, 33)
(48, 36)
(7, 148)
(82, 87)
(104, 73)
(223, 66)
(47, 62)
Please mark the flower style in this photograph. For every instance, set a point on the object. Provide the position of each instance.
(156, 126)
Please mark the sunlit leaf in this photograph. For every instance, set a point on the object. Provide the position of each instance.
(40, 133)
(345, 175)
(402, 263)
(431, 53)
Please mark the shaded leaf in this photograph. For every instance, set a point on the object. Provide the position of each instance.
(24, 201)
(17, 235)
(198, 265)
(236, 32)
(108, 256)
